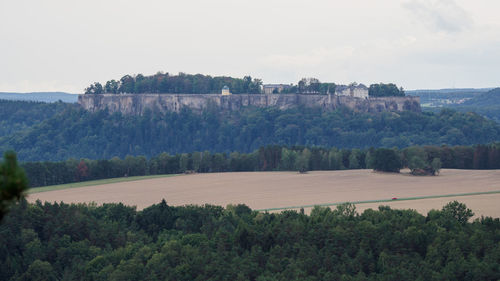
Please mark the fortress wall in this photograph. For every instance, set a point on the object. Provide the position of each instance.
(136, 104)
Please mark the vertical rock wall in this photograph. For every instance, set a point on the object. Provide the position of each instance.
(136, 104)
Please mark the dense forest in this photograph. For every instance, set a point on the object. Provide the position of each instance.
(115, 242)
(75, 133)
(20, 115)
(269, 158)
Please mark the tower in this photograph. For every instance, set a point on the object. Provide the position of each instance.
(225, 91)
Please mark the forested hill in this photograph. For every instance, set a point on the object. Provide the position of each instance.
(75, 133)
(17, 116)
(116, 242)
(490, 98)
(487, 104)
(485, 101)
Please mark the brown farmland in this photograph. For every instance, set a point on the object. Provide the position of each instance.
(263, 190)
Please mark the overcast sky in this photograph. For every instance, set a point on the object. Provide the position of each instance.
(64, 45)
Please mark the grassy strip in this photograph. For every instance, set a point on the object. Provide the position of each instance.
(94, 182)
(380, 200)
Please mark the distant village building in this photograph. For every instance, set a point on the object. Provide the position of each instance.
(353, 90)
(275, 88)
(225, 91)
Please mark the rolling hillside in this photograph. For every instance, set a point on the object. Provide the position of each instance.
(75, 133)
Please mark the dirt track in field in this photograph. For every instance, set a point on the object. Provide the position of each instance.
(262, 190)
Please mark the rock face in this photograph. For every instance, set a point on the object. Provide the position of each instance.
(136, 104)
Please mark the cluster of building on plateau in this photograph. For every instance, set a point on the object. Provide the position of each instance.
(353, 90)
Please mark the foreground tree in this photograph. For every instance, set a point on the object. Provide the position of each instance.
(458, 211)
(13, 182)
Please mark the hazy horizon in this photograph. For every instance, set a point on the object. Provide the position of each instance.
(81, 92)
(64, 46)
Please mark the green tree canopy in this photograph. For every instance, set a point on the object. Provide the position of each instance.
(58, 241)
(13, 182)
(385, 90)
(176, 84)
(386, 160)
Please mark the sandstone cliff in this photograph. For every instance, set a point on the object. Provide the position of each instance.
(137, 103)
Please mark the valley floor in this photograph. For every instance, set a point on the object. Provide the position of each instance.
(282, 190)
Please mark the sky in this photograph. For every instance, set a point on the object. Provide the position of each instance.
(65, 45)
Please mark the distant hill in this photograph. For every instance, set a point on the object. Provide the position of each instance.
(485, 104)
(40, 96)
(483, 101)
(446, 97)
(450, 90)
(490, 98)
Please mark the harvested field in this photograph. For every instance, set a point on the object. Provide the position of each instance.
(265, 190)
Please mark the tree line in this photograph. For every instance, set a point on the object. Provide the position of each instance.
(420, 160)
(176, 84)
(205, 84)
(45, 241)
(76, 133)
(385, 90)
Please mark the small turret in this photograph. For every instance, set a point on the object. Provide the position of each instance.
(225, 91)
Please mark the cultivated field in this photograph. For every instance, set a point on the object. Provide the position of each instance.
(266, 190)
